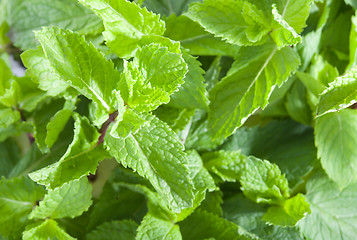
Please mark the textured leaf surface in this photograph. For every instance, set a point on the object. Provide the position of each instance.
(155, 153)
(168, 7)
(40, 71)
(125, 24)
(114, 230)
(248, 85)
(69, 200)
(8, 116)
(340, 94)
(191, 94)
(49, 229)
(150, 79)
(17, 198)
(290, 213)
(81, 157)
(236, 22)
(335, 138)
(192, 36)
(260, 180)
(152, 228)
(80, 64)
(29, 15)
(333, 212)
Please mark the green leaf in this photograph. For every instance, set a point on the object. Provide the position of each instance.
(191, 94)
(333, 212)
(125, 229)
(248, 215)
(39, 68)
(80, 159)
(335, 138)
(177, 119)
(286, 143)
(152, 228)
(125, 24)
(155, 153)
(56, 125)
(168, 7)
(48, 229)
(17, 198)
(81, 65)
(248, 85)
(340, 94)
(69, 200)
(221, 18)
(8, 116)
(192, 36)
(202, 225)
(27, 16)
(10, 156)
(288, 214)
(150, 79)
(352, 3)
(260, 180)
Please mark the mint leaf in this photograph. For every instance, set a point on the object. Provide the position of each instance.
(153, 151)
(168, 7)
(17, 198)
(11, 155)
(125, 24)
(207, 225)
(230, 109)
(150, 79)
(156, 228)
(8, 116)
(27, 16)
(192, 93)
(290, 213)
(335, 137)
(333, 212)
(340, 94)
(221, 18)
(48, 229)
(38, 67)
(80, 159)
(193, 36)
(125, 229)
(69, 200)
(80, 64)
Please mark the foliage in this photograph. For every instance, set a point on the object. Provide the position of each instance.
(178, 119)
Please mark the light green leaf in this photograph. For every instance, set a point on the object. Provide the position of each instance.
(237, 22)
(41, 118)
(48, 229)
(150, 79)
(191, 94)
(56, 125)
(81, 65)
(286, 35)
(152, 228)
(155, 153)
(340, 94)
(168, 7)
(353, 43)
(8, 116)
(260, 180)
(125, 24)
(333, 212)
(248, 86)
(286, 143)
(17, 198)
(335, 138)
(80, 159)
(69, 200)
(177, 119)
(289, 213)
(192, 36)
(248, 215)
(352, 3)
(9, 90)
(125, 229)
(27, 16)
(203, 225)
(38, 67)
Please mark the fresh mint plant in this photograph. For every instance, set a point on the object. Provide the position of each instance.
(178, 119)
